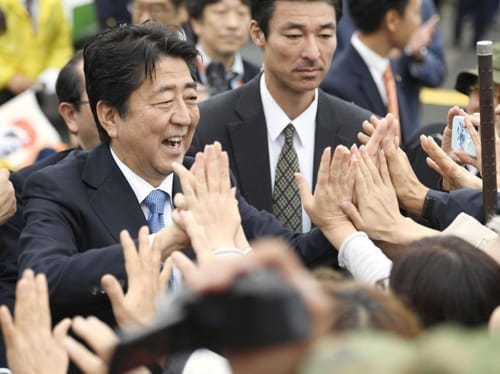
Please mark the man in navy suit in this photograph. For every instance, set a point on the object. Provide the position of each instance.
(357, 73)
(298, 43)
(420, 64)
(142, 92)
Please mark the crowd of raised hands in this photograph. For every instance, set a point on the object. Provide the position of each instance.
(359, 190)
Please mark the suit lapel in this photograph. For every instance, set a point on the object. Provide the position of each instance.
(367, 86)
(328, 130)
(110, 195)
(248, 136)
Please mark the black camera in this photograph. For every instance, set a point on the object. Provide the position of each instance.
(259, 310)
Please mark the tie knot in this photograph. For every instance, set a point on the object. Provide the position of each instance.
(155, 201)
(289, 131)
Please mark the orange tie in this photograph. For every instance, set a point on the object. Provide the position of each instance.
(392, 97)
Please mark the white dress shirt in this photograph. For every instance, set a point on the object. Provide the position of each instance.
(142, 189)
(303, 141)
(376, 64)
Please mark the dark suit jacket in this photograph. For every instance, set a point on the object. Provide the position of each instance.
(236, 119)
(430, 72)
(74, 213)
(441, 207)
(249, 71)
(349, 78)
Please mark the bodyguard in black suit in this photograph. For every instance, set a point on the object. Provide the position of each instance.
(237, 121)
(297, 44)
(146, 112)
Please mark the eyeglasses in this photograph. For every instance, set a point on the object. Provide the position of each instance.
(155, 9)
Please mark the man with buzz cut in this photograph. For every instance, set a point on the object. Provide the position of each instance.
(280, 122)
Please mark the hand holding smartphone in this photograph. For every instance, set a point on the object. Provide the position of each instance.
(460, 137)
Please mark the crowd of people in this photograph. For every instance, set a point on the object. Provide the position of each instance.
(194, 178)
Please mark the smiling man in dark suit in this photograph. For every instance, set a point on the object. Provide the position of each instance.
(298, 39)
(142, 92)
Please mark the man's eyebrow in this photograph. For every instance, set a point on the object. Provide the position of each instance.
(300, 26)
(172, 87)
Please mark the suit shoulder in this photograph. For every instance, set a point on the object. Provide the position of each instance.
(61, 173)
(250, 70)
(345, 107)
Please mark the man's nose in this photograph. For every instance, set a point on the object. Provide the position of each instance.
(311, 49)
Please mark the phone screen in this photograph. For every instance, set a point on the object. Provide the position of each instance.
(460, 137)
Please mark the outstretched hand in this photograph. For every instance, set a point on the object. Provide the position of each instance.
(31, 345)
(377, 211)
(454, 175)
(7, 197)
(145, 280)
(208, 196)
(335, 184)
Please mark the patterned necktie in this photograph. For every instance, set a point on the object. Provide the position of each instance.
(286, 199)
(155, 202)
(392, 96)
(216, 78)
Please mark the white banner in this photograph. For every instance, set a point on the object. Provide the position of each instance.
(24, 131)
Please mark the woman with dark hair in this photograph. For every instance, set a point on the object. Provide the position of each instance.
(446, 279)
(359, 307)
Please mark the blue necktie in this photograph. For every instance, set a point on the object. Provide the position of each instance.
(155, 202)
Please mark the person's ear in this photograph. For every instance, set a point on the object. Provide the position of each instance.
(68, 113)
(109, 118)
(256, 34)
(196, 26)
(391, 20)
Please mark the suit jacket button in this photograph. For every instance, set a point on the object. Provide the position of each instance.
(94, 290)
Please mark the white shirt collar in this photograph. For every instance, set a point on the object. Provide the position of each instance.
(277, 119)
(140, 187)
(372, 59)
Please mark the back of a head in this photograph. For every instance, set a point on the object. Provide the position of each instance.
(119, 60)
(362, 307)
(69, 84)
(262, 11)
(446, 280)
(367, 15)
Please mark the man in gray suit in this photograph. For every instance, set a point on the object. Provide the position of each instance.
(298, 43)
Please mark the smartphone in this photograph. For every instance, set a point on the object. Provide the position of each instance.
(460, 137)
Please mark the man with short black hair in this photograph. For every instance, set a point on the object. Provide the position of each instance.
(298, 39)
(220, 28)
(363, 73)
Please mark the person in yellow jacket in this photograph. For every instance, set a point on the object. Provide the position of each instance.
(36, 44)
